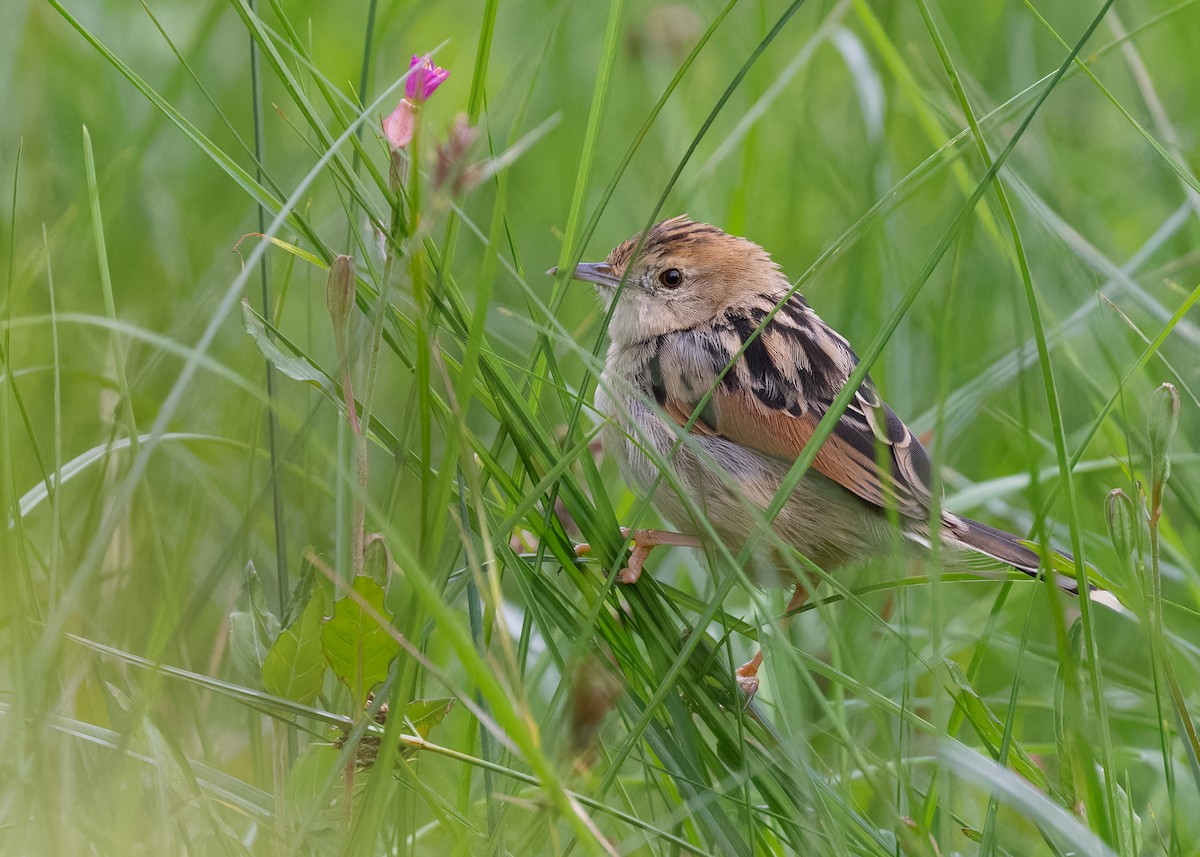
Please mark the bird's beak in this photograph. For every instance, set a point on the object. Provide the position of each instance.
(600, 273)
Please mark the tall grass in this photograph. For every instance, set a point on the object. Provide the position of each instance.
(200, 649)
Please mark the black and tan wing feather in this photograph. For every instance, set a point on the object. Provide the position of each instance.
(772, 398)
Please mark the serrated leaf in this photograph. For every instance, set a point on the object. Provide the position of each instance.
(356, 646)
(425, 714)
(296, 368)
(253, 628)
(295, 666)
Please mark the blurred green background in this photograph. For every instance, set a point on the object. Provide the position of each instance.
(846, 153)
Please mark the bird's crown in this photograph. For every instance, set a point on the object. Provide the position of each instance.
(681, 240)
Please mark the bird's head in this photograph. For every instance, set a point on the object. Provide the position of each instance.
(684, 274)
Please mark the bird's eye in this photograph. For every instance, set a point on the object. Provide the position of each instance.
(671, 277)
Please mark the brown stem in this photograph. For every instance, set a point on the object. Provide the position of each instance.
(348, 811)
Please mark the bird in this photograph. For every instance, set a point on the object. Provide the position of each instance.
(718, 369)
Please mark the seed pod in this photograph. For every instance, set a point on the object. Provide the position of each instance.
(1118, 511)
(594, 692)
(397, 170)
(1164, 419)
(339, 295)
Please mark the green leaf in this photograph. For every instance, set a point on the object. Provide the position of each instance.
(309, 801)
(1066, 832)
(991, 730)
(376, 559)
(295, 666)
(425, 714)
(253, 628)
(301, 592)
(1131, 832)
(358, 648)
(296, 368)
(299, 253)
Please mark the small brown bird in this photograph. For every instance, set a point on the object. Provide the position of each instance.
(693, 298)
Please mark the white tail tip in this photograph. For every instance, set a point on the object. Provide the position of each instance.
(1107, 599)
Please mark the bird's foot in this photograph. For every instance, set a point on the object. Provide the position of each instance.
(747, 675)
(644, 541)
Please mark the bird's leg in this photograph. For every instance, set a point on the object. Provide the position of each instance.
(747, 673)
(644, 541)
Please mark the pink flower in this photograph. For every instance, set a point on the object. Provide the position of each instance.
(398, 127)
(423, 78)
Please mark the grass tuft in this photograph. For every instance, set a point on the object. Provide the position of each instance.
(998, 201)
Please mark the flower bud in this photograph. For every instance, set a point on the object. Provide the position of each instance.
(339, 295)
(1164, 419)
(1119, 512)
(423, 80)
(400, 124)
(452, 166)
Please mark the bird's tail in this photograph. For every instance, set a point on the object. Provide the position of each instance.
(1008, 549)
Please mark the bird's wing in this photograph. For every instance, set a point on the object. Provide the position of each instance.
(773, 397)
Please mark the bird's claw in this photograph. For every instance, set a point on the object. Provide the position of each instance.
(644, 541)
(749, 686)
(747, 676)
(637, 558)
